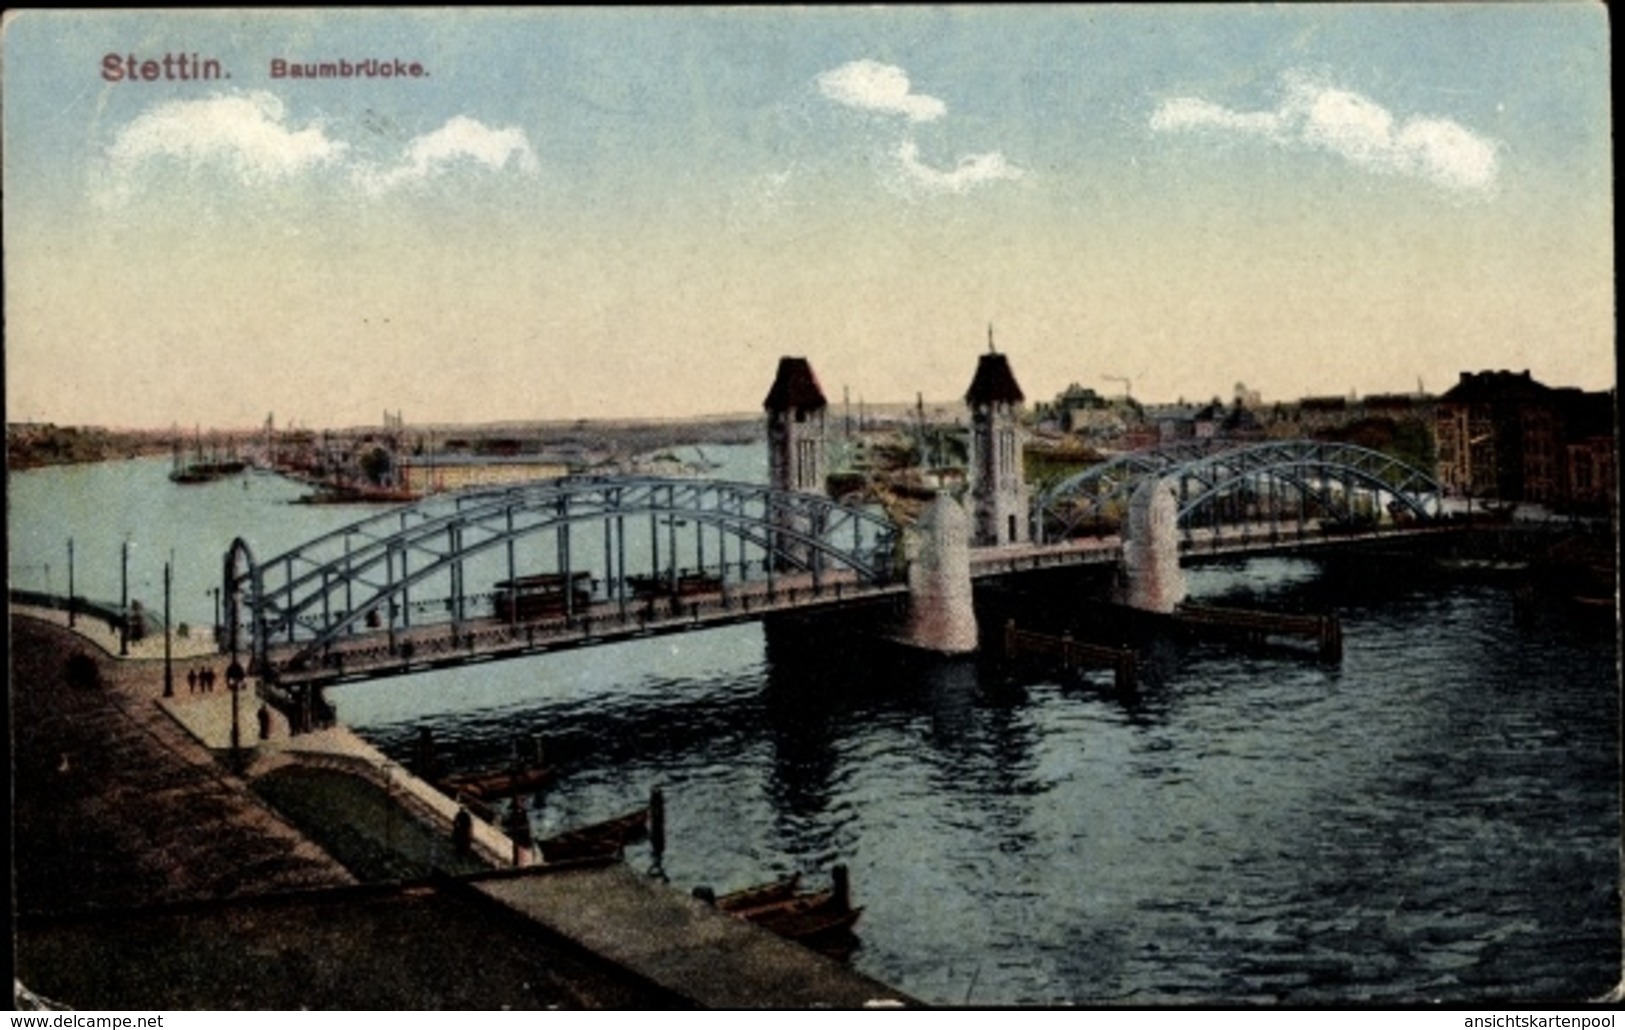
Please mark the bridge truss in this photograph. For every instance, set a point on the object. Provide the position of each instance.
(562, 548)
(1275, 481)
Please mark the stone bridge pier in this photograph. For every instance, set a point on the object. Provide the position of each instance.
(941, 611)
(1152, 578)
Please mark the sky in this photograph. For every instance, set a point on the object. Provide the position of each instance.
(577, 213)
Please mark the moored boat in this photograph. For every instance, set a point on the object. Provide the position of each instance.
(821, 920)
(491, 786)
(598, 839)
(759, 895)
(812, 925)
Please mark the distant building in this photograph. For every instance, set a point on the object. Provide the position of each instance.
(1074, 407)
(1396, 404)
(1316, 413)
(1590, 451)
(1176, 422)
(1173, 422)
(438, 473)
(1241, 424)
(1507, 436)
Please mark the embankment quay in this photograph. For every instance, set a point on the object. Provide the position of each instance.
(157, 867)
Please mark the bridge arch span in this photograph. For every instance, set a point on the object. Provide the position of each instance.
(1275, 479)
(658, 534)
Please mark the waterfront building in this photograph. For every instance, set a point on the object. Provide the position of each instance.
(1507, 436)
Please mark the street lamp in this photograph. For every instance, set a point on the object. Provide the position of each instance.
(234, 683)
(389, 806)
(72, 607)
(169, 668)
(215, 592)
(124, 599)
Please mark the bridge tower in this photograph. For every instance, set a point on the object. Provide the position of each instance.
(941, 613)
(998, 482)
(796, 447)
(1153, 580)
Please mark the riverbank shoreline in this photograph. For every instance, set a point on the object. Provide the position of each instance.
(157, 867)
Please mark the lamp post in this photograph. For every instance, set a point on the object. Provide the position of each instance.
(234, 683)
(72, 607)
(389, 806)
(169, 667)
(124, 599)
(215, 593)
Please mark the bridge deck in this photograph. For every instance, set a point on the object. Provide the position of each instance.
(442, 644)
(438, 645)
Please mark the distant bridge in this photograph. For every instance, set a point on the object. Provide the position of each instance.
(1219, 483)
(579, 561)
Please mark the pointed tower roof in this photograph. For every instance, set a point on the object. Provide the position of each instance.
(994, 382)
(795, 388)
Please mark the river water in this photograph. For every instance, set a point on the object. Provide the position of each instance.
(1434, 818)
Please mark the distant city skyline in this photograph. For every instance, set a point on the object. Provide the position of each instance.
(503, 215)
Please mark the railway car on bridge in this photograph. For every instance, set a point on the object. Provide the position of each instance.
(684, 584)
(526, 598)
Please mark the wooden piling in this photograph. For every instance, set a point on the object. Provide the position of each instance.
(1070, 654)
(1124, 672)
(518, 826)
(1256, 627)
(1331, 638)
(657, 822)
(841, 882)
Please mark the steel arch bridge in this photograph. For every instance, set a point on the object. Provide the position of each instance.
(520, 553)
(1217, 484)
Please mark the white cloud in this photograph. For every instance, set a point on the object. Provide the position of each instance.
(248, 135)
(882, 88)
(1355, 127)
(1193, 113)
(251, 137)
(460, 140)
(971, 171)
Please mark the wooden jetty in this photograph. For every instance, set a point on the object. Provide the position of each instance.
(1257, 627)
(681, 944)
(1073, 654)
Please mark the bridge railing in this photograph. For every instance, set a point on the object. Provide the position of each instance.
(445, 644)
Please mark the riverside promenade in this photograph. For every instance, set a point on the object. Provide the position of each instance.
(151, 871)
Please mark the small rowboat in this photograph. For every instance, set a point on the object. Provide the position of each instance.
(599, 840)
(789, 905)
(762, 894)
(812, 926)
(819, 920)
(490, 786)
